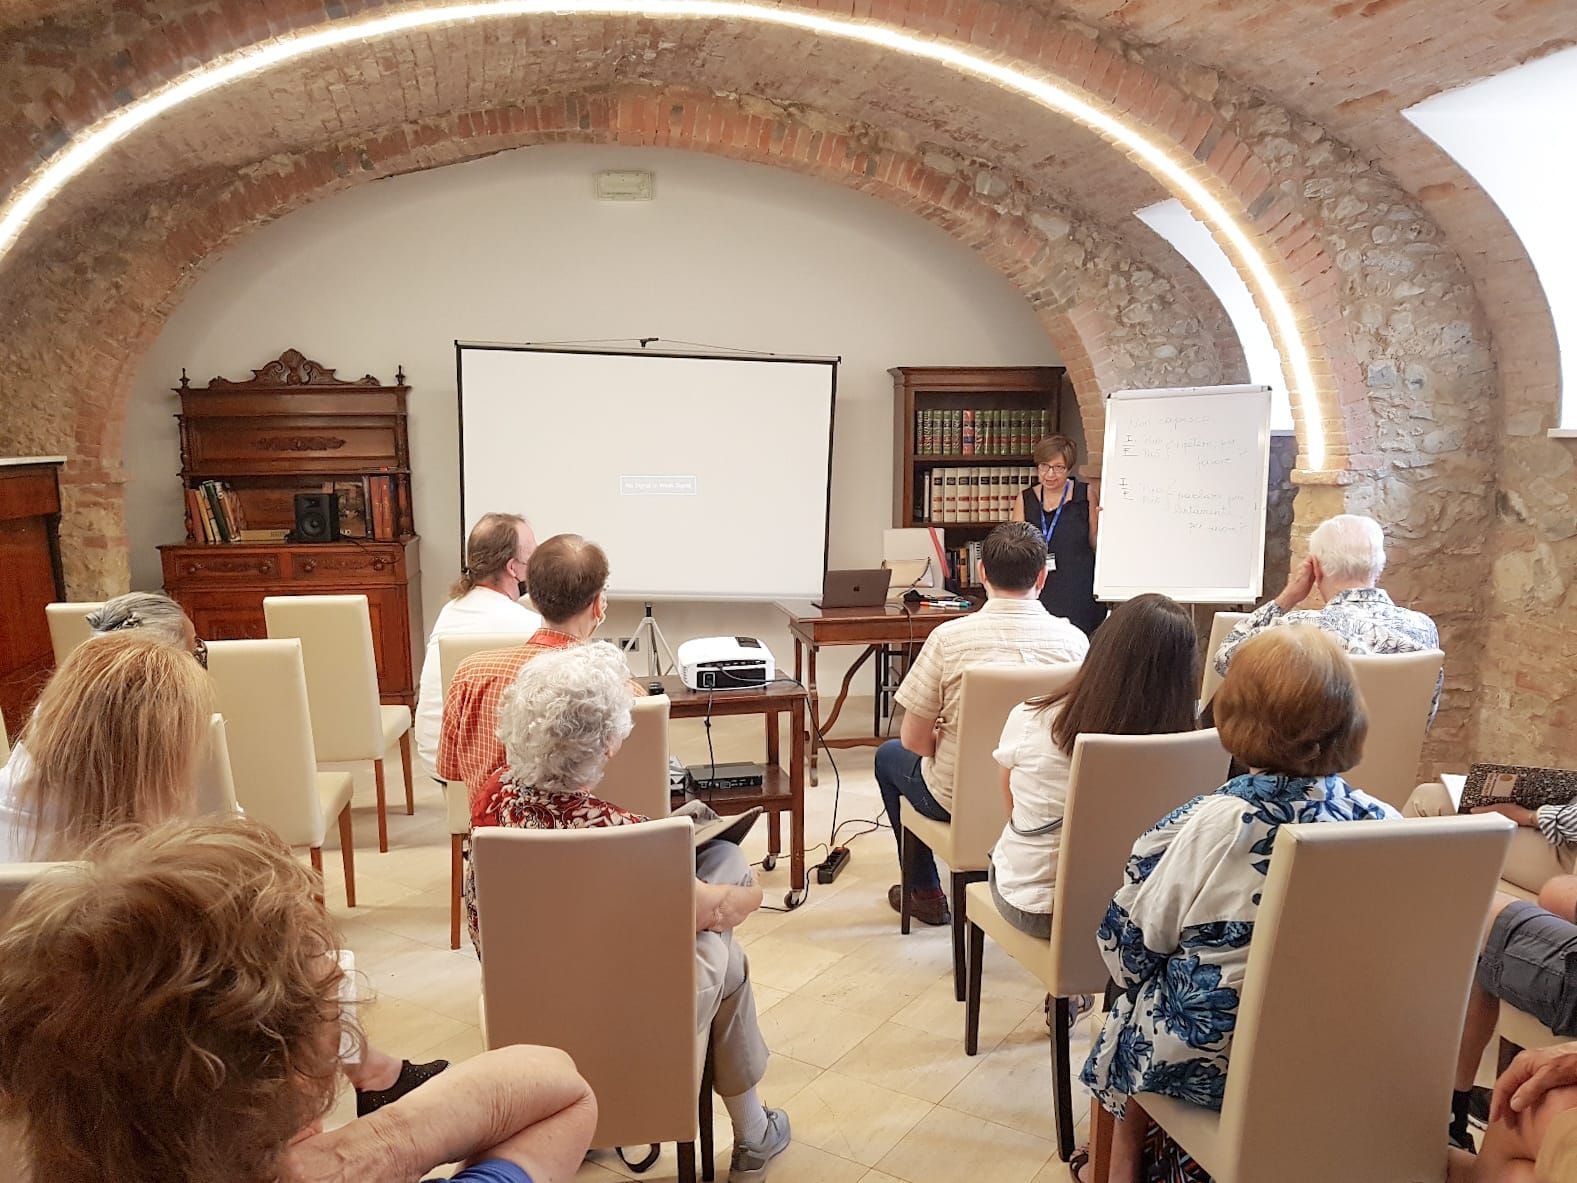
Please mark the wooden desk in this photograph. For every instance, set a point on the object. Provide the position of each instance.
(30, 577)
(783, 791)
(813, 627)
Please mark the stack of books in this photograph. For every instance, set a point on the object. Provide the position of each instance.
(986, 432)
(214, 513)
(950, 496)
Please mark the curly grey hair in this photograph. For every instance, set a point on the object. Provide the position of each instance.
(155, 612)
(566, 712)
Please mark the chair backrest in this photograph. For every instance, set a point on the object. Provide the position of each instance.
(452, 650)
(342, 671)
(1118, 787)
(1354, 996)
(15, 878)
(1398, 690)
(261, 687)
(986, 694)
(5, 742)
(68, 626)
(215, 781)
(607, 972)
(637, 777)
(1210, 681)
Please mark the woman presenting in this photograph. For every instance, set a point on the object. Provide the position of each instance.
(1060, 506)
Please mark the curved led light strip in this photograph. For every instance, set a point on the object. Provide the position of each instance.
(88, 146)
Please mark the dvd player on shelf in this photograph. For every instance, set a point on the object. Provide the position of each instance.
(731, 778)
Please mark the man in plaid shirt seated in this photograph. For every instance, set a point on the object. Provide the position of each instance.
(566, 575)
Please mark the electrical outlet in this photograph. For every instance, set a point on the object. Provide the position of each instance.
(624, 643)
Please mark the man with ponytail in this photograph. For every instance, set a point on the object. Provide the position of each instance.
(485, 599)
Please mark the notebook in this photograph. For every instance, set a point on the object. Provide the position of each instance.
(1491, 784)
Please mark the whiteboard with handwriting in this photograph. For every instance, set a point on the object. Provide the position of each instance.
(1183, 494)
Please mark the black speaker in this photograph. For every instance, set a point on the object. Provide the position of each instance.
(317, 517)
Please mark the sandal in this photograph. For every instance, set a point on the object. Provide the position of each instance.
(1077, 1162)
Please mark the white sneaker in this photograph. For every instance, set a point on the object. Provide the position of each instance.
(749, 1163)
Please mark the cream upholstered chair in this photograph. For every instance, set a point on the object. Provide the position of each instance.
(452, 651)
(68, 626)
(215, 780)
(1387, 912)
(607, 973)
(1397, 690)
(637, 777)
(5, 742)
(262, 691)
(1210, 681)
(15, 878)
(986, 695)
(1120, 786)
(349, 725)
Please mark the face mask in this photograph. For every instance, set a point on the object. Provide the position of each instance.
(520, 589)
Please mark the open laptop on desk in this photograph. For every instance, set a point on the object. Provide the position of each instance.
(854, 589)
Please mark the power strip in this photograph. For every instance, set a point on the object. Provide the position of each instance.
(836, 861)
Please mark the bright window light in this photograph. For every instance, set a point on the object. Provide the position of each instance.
(1167, 166)
(1505, 131)
(1191, 238)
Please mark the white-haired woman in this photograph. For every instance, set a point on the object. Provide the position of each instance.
(154, 614)
(566, 714)
(1345, 561)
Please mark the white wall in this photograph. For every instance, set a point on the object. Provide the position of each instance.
(516, 248)
(1505, 131)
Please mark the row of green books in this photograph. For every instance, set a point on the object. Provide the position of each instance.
(989, 431)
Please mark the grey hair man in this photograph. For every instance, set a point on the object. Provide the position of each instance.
(1346, 559)
(154, 612)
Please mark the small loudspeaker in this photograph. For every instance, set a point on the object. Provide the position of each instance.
(317, 517)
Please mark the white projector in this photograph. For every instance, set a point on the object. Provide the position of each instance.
(724, 663)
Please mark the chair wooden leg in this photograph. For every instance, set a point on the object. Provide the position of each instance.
(316, 854)
(405, 761)
(906, 844)
(704, 1117)
(347, 847)
(957, 893)
(1061, 1084)
(977, 957)
(383, 816)
(1102, 1126)
(687, 1162)
(456, 874)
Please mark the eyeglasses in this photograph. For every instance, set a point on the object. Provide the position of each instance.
(1052, 467)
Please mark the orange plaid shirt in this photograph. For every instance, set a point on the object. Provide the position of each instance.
(468, 747)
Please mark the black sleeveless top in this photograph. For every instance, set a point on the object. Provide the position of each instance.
(1070, 589)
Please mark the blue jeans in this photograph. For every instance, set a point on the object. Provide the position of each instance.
(898, 777)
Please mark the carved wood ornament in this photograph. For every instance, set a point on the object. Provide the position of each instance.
(292, 368)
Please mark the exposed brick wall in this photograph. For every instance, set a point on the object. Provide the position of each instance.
(1117, 321)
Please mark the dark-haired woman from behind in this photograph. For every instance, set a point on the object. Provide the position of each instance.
(1138, 679)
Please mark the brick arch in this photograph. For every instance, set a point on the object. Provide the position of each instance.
(1190, 133)
(164, 249)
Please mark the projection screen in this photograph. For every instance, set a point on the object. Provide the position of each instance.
(703, 477)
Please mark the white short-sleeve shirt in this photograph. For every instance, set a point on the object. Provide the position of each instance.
(1025, 857)
(480, 610)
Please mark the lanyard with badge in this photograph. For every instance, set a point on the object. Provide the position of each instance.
(1048, 529)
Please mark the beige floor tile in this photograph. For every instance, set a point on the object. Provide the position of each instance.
(935, 1010)
(810, 1030)
(399, 1027)
(591, 1172)
(951, 1147)
(877, 986)
(852, 1118)
(1012, 1086)
(766, 996)
(442, 980)
(1056, 1171)
(908, 1061)
(786, 1078)
(842, 922)
(787, 965)
(879, 1177)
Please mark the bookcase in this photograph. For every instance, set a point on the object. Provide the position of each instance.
(962, 438)
(294, 427)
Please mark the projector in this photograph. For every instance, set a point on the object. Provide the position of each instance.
(724, 663)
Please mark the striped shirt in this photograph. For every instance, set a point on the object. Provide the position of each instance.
(1558, 823)
(468, 747)
(1003, 631)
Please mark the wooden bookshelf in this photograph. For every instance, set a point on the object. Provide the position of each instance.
(1017, 404)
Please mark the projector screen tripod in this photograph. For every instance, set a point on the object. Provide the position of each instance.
(653, 633)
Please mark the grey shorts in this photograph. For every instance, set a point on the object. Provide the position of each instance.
(1530, 961)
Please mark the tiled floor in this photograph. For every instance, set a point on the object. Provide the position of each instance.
(867, 1042)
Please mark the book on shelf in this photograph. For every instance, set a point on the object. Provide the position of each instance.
(966, 436)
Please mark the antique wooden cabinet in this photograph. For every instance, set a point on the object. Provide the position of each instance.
(30, 577)
(294, 427)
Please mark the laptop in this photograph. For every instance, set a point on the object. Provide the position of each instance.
(854, 589)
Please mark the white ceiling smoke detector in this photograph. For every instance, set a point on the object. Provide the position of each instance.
(626, 184)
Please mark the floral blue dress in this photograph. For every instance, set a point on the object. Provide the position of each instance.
(1177, 934)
